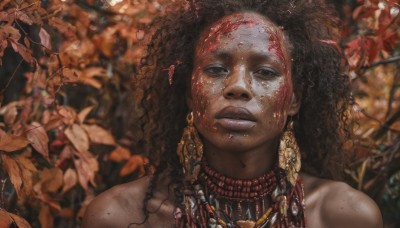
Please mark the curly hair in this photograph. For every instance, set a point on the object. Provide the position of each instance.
(319, 78)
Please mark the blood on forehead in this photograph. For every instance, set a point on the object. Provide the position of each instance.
(209, 40)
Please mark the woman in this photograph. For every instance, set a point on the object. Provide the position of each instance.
(236, 96)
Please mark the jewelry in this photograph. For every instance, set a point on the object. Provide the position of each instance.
(289, 154)
(213, 205)
(190, 151)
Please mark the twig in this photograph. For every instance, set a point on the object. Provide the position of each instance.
(12, 77)
(386, 126)
(393, 88)
(382, 62)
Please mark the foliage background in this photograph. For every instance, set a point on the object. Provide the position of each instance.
(67, 126)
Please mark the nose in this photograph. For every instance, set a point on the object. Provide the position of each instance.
(238, 86)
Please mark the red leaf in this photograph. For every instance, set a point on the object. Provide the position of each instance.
(99, 135)
(78, 137)
(39, 139)
(45, 38)
(9, 143)
(13, 171)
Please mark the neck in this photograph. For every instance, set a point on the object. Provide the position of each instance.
(248, 164)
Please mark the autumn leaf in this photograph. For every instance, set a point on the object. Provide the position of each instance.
(83, 114)
(38, 137)
(86, 166)
(9, 143)
(51, 180)
(119, 154)
(70, 179)
(13, 171)
(25, 53)
(78, 137)
(7, 219)
(99, 135)
(46, 219)
(45, 38)
(134, 162)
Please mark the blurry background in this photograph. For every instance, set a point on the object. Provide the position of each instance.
(67, 124)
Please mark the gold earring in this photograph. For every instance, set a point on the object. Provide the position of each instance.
(190, 151)
(289, 154)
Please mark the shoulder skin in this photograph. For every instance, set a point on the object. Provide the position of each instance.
(121, 206)
(334, 204)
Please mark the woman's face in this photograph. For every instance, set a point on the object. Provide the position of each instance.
(241, 88)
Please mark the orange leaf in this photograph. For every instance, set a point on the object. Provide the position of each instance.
(70, 179)
(99, 135)
(9, 143)
(83, 114)
(39, 139)
(120, 154)
(86, 166)
(13, 171)
(133, 163)
(67, 114)
(78, 137)
(7, 218)
(52, 179)
(45, 217)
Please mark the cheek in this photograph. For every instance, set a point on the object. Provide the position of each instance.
(282, 100)
(202, 99)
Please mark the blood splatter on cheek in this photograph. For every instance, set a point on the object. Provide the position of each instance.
(201, 103)
(283, 99)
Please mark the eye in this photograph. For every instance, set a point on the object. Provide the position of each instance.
(216, 70)
(265, 72)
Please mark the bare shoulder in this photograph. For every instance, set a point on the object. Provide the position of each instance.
(336, 204)
(118, 206)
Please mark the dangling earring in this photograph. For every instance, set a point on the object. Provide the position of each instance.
(190, 151)
(289, 154)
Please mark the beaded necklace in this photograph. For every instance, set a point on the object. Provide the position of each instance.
(217, 201)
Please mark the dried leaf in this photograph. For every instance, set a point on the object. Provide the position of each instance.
(45, 38)
(119, 154)
(45, 217)
(51, 180)
(82, 114)
(86, 166)
(5, 218)
(23, 17)
(99, 135)
(25, 53)
(70, 180)
(133, 163)
(13, 171)
(39, 139)
(9, 143)
(67, 114)
(78, 137)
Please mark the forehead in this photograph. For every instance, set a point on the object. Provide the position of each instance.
(243, 28)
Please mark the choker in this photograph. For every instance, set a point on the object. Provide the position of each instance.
(218, 201)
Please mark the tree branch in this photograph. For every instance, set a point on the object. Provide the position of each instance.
(382, 62)
(386, 126)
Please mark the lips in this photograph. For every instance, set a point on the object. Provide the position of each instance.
(235, 119)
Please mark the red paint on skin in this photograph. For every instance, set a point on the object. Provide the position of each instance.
(200, 104)
(214, 35)
(285, 90)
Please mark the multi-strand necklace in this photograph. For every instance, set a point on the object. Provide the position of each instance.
(218, 201)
